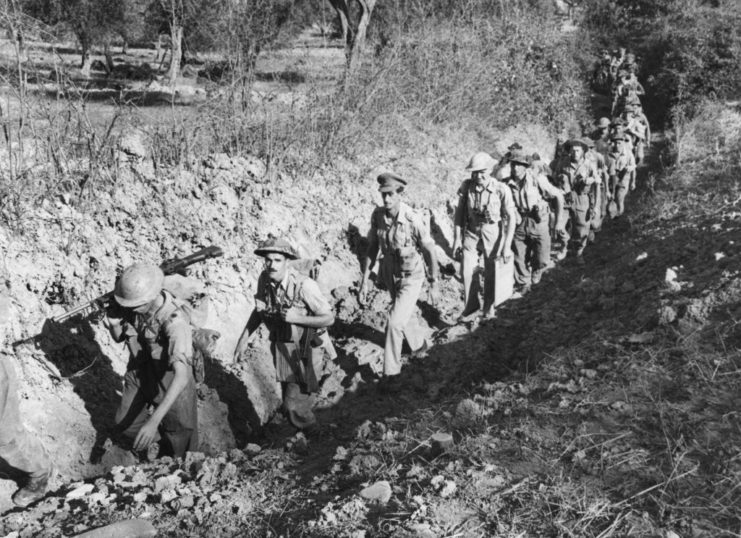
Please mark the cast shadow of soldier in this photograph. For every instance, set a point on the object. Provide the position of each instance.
(72, 348)
(522, 336)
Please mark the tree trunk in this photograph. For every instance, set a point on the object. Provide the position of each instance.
(358, 44)
(176, 51)
(85, 60)
(343, 14)
(108, 57)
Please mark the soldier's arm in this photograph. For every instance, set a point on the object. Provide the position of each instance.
(509, 212)
(321, 312)
(253, 322)
(458, 218)
(555, 193)
(180, 353)
(648, 130)
(370, 259)
(372, 252)
(147, 434)
(425, 242)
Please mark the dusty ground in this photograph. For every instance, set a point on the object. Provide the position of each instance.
(604, 403)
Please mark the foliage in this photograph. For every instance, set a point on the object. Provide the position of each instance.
(90, 20)
(464, 65)
(688, 49)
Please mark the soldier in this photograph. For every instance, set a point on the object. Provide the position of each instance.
(18, 448)
(627, 92)
(485, 217)
(292, 307)
(539, 165)
(502, 169)
(400, 235)
(621, 170)
(532, 239)
(158, 334)
(639, 130)
(600, 188)
(577, 180)
(601, 135)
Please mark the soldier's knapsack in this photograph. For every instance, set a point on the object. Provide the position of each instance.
(190, 298)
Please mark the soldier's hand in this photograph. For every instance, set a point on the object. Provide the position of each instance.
(290, 315)
(632, 185)
(146, 436)
(363, 294)
(434, 294)
(506, 254)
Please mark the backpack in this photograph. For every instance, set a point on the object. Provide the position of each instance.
(189, 297)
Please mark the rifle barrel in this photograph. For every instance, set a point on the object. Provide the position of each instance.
(168, 267)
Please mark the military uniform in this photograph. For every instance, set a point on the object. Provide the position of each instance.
(532, 239)
(600, 188)
(18, 448)
(402, 272)
(577, 181)
(480, 214)
(157, 341)
(621, 168)
(298, 351)
(637, 128)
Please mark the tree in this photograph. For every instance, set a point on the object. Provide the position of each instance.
(354, 34)
(89, 20)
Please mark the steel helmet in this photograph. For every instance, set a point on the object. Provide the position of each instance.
(278, 246)
(139, 284)
(603, 122)
(481, 161)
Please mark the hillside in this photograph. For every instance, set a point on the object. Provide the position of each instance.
(603, 403)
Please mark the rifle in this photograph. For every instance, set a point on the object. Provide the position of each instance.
(169, 267)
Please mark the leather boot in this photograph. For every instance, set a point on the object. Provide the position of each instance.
(34, 490)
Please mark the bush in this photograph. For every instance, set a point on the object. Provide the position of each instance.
(472, 68)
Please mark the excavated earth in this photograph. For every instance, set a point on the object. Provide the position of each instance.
(605, 402)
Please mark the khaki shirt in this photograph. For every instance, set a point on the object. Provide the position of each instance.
(165, 336)
(482, 204)
(288, 341)
(294, 291)
(531, 192)
(400, 240)
(621, 162)
(578, 176)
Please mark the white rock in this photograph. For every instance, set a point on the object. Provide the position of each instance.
(79, 492)
(379, 492)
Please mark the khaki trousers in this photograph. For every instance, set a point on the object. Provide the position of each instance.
(486, 241)
(404, 294)
(179, 428)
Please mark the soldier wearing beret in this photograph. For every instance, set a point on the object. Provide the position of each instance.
(292, 307)
(401, 237)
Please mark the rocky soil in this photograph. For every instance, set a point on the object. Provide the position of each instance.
(603, 403)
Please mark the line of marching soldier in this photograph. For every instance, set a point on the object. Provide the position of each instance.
(510, 210)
